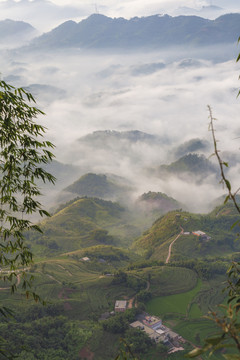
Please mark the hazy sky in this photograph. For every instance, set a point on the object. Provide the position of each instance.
(130, 5)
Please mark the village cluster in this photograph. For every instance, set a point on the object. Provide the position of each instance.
(154, 328)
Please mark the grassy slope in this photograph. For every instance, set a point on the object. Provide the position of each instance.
(69, 229)
(79, 285)
(155, 242)
(85, 293)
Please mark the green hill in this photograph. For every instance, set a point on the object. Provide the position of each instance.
(219, 238)
(80, 223)
(191, 146)
(190, 163)
(158, 202)
(97, 185)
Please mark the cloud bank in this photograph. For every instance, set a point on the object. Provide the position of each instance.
(163, 93)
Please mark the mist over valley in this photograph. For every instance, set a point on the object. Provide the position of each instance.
(138, 217)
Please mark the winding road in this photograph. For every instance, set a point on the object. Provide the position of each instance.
(170, 246)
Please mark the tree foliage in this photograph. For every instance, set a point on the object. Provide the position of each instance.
(23, 151)
(227, 318)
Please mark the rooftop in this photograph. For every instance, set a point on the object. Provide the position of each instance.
(120, 304)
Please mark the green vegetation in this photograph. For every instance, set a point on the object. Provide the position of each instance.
(157, 201)
(139, 342)
(22, 156)
(179, 303)
(81, 293)
(77, 225)
(120, 322)
(96, 185)
(191, 163)
(155, 242)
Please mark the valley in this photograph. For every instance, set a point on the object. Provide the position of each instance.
(92, 253)
(139, 239)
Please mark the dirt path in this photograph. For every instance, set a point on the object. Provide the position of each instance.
(130, 301)
(170, 246)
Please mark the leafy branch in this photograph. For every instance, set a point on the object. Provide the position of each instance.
(222, 163)
(22, 155)
(228, 323)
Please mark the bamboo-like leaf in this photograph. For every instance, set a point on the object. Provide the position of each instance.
(228, 184)
(231, 357)
(226, 199)
(194, 353)
(235, 224)
(214, 341)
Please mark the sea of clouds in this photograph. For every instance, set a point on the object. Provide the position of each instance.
(163, 93)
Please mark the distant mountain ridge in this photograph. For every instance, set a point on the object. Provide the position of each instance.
(132, 136)
(191, 165)
(16, 32)
(99, 31)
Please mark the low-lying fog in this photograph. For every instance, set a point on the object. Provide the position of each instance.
(162, 93)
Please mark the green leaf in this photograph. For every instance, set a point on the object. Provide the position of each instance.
(232, 357)
(228, 184)
(214, 341)
(194, 353)
(226, 199)
(234, 224)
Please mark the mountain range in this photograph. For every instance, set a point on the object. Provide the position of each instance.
(99, 32)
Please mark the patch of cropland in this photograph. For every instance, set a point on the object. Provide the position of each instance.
(81, 293)
(82, 269)
(77, 294)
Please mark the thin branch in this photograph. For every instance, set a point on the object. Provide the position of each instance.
(221, 163)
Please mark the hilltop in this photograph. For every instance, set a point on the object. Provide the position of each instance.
(97, 185)
(154, 32)
(16, 33)
(82, 222)
(157, 201)
(193, 165)
(191, 146)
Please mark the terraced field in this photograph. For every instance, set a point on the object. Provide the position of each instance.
(167, 280)
(184, 312)
(82, 290)
(178, 304)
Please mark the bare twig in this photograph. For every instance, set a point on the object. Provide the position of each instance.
(231, 195)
